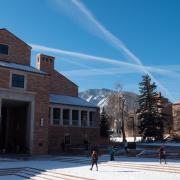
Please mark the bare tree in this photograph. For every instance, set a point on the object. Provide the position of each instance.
(117, 109)
(135, 123)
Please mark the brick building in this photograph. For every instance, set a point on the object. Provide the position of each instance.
(39, 107)
(176, 120)
(164, 108)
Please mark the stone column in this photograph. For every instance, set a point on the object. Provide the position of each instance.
(79, 121)
(0, 109)
(70, 117)
(61, 118)
(88, 122)
(32, 118)
(51, 115)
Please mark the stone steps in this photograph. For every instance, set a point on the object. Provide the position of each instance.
(39, 174)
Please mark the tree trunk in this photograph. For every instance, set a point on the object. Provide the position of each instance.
(122, 124)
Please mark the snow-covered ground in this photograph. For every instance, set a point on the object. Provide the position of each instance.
(129, 139)
(138, 139)
(76, 168)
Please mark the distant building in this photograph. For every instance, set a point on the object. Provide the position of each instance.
(131, 125)
(40, 110)
(176, 120)
(165, 108)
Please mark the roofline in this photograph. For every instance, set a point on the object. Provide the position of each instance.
(23, 70)
(66, 78)
(95, 107)
(16, 37)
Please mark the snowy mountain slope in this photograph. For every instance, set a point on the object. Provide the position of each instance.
(99, 97)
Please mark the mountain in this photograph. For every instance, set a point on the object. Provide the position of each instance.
(99, 97)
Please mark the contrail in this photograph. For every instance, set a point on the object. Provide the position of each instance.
(113, 71)
(129, 67)
(101, 31)
(82, 56)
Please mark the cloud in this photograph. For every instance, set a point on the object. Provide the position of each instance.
(77, 10)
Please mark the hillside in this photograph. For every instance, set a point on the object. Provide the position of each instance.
(99, 97)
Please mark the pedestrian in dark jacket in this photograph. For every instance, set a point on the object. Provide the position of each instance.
(162, 154)
(94, 157)
(126, 146)
(112, 152)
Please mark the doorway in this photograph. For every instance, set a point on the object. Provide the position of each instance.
(14, 127)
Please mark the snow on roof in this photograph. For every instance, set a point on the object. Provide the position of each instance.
(20, 67)
(69, 100)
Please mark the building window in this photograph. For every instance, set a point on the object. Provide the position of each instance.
(4, 49)
(56, 116)
(67, 139)
(92, 118)
(65, 116)
(75, 117)
(43, 59)
(83, 118)
(17, 80)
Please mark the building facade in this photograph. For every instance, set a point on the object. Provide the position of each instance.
(165, 108)
(39, 108)
(176, 120)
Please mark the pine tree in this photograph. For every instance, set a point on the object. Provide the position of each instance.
(151, 121)
(104, 125)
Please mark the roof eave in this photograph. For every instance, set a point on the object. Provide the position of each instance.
(95, 107)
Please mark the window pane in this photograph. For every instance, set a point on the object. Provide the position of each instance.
(56, 116)
(65, 116)
(3, 49)
(92, 118)
(17, 80)
(75, 117)
(83, 118)
(67, 139)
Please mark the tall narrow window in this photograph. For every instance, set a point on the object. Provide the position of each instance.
(56, 116)
(17, 80)
(66, 116)
(92, 118)
(75, 117)
(67, 139)
(83, 118)
(4, 49)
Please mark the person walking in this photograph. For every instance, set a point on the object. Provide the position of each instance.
(162, 154)
(112, 152)
(94, 157)
(126, 146)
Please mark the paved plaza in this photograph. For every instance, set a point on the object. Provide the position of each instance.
(77, 168)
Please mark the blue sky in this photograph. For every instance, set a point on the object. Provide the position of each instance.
(98, 43)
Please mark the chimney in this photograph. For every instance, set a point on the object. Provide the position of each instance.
(45, 63)
(159, 94)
